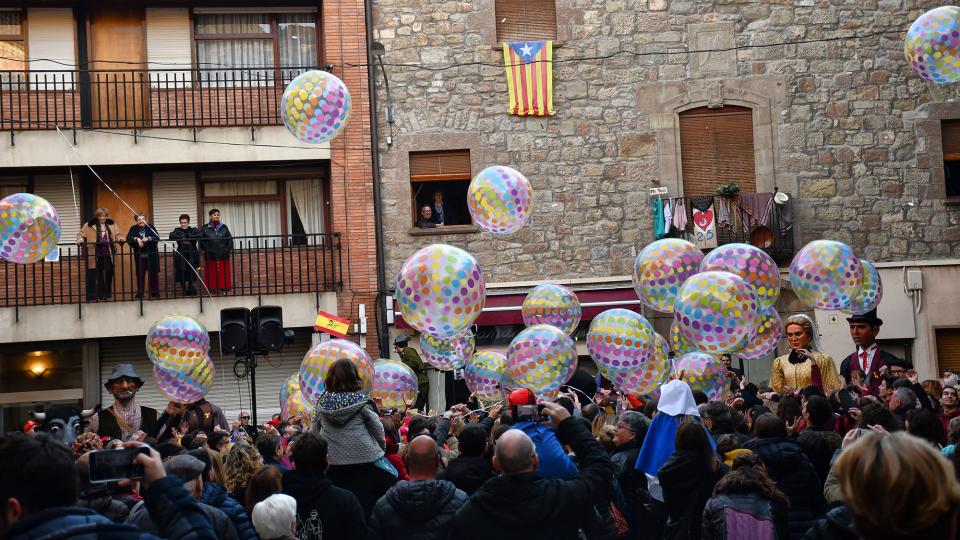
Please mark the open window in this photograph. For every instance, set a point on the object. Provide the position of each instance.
(439, 181)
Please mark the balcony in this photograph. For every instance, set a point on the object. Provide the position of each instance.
(141, 99)
(744, 224)
(261, 266)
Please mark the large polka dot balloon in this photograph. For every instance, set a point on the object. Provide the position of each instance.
(765, 337)
(826, 275)
(484, 373)
(185, 384)
(29, 228)
(621, 339)
(292, 401)
(394, 384)
(554, 305)
(716, 311)
(703, 372)
(871, 291)
(315, 106)
(679, 344)
(318, 360)
(661, 268)
(500, 200)
(541, 358)
(177, 342)
(752, 264)
(932, 45)
(440, 290)
(447, 353)
(646, 380)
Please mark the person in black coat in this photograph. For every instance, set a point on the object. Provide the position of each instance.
(472, 468)
(144, 240)
(521, 504)
(687, 480)
(216, 243)
(793, 473)
(216, 496)
(868, 357)
(323, 509)
(422, 508)
(751, 496)
(187, 259)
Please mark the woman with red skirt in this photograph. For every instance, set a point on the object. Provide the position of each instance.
(216, 242)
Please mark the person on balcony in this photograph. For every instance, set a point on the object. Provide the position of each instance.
(187, 259)
(143, 238)
(216, 242)
(98, 239)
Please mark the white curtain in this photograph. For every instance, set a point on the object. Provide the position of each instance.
(219, 55)
(306, 198)
(298, 43)
(247, 218)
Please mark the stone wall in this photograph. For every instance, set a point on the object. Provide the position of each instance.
(844, 125)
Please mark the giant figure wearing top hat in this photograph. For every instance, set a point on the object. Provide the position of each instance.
(868, 357)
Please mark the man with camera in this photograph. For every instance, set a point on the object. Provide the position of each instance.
(520, 503)
(553, 460)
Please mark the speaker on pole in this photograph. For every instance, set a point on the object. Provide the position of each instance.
(235, 330)
(266, 329)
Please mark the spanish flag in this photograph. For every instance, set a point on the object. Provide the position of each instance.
(530, 77)
(331, 324)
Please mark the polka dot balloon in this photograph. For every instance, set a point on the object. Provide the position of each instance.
(648, 378)
(177, 342)
(752, 264)
(29, 228)
(447, 354)
(541, 358)
(484, 373)
(932, 45)
(318, 360)
(871, 291)
(765, 338)
(703, 372)
(500, 200)
(716, 311)
(292, 402)
(621, 339)
(661, 268)
(315, 106)
(394, 383)
(185, 384)
(679, 344)
(440, 290)
(554, 305)
(826, 275)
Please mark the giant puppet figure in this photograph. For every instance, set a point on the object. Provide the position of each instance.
(124, 417)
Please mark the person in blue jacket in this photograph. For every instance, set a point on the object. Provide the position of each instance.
(554, 461)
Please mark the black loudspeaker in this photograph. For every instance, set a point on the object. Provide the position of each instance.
(266, 328)
(235, 330)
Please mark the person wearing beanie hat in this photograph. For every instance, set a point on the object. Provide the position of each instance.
(868, 357)
(554, 461)
(275, 518)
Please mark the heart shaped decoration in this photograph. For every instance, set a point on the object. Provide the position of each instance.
(703, 219)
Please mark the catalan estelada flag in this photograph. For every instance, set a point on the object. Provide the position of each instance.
(529, 67)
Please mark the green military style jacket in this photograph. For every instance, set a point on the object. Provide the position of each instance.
(410, 357)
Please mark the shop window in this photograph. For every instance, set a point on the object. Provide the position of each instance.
(439, 181)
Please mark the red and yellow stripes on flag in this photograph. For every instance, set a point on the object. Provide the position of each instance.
(331, 324)
(530, 81)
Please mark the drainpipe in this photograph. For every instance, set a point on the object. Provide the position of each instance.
(381, 317)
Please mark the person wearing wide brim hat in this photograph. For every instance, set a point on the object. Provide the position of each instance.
(410, 357)
(124, 417)
(868, 358)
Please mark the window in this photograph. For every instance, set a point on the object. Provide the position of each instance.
(446, 173)
(281, 45)
(12, 45)
(716, 148)
(950, 133)
(9, 186)
(526, 20)
(948, 349)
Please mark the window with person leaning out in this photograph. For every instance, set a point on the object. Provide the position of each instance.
(441, 210)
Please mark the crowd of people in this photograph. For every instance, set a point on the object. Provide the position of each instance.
(865, 459)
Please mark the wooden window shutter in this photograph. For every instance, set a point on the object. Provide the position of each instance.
(948, 349)
(716, 148)
(526, 20)
(950, 136)
(440, 166)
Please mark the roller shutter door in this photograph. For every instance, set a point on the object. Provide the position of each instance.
(716, 148)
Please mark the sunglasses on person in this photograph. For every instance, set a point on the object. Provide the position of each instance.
(244, 417)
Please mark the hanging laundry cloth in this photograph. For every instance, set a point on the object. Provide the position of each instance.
(704, 222)
(667, 216)
(658, 231)
(785, 216)
(754, 210)
(723, 211)
(679, 215)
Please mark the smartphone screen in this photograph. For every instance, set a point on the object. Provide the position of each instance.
(110, 465)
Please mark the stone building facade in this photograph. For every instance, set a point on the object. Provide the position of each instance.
(840, 122)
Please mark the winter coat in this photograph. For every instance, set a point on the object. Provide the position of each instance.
(350, 424)
(687, 483)
(554, 461)
(149, 253)
(107, 506)
(795, 477)
(367, 481)
(531, 507)
(323, 509)
(87, 237)
(189, 255)
(216, 496)
(838, 524)
(176, 512)
(946, 418)
(216, 243)
(420, 510)
(468, 473)
(751, 513)
(140, 517)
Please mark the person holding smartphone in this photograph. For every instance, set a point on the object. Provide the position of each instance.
(804, 365)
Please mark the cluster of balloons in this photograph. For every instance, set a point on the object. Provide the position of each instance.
(627, 351)
(29, 228)
(320, 358)
(932, 45)
(315, 106)
(828, 275)
(179, 346)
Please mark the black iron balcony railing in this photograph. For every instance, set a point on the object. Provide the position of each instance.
(768, 226)
(140, 98)
(259, 265)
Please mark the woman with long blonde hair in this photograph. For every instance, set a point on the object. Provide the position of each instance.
(805, 365)
(242, 463)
